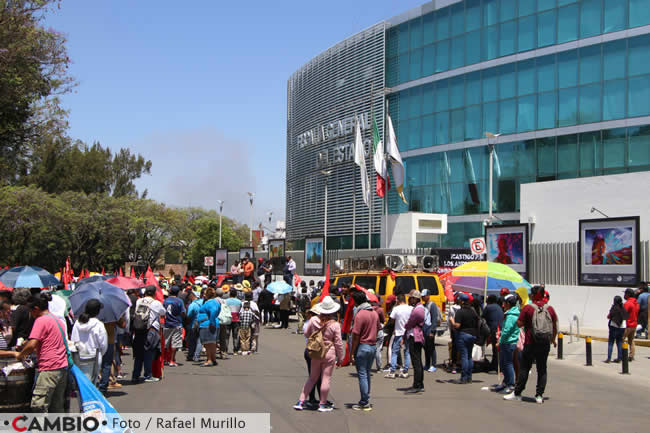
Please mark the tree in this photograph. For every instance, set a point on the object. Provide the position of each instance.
(33, 71)
(125, 169)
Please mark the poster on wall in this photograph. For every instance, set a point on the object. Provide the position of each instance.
(277, 254)
(221, 261)
(314, 257)
(609, 252)
(246, 253)
(508, 244)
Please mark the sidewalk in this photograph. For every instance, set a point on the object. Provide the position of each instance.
(602, 335)
(574, 356)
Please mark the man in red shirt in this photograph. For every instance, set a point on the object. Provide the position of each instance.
(47, 340)
(364, 340)
(535, 349)
(632, 307)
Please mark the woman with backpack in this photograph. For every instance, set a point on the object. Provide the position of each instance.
(90, 340)
(617, 316)
(325, 349)
(146, 340)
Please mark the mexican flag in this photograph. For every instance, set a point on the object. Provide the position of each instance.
(383, 182)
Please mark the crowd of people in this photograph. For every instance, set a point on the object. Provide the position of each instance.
(351, 325)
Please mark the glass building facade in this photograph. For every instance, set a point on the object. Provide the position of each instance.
(565, 83)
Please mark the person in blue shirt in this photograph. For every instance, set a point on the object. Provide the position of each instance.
(173, 331)
(208, 319)
(193, 340)
(642, 299)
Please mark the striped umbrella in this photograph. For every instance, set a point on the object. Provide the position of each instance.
(28, 276)
(482, 278)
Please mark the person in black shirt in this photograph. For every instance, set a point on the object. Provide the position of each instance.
(466, 322)
(21, 319)
(493, 315)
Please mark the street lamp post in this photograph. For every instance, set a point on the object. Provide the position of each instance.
(325, 173)
(490, 135)
(220, 215)
(251, 195)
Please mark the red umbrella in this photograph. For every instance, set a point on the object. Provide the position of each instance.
(126, 283)
(371, 296)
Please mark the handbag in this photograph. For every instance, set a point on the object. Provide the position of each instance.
(65, 341)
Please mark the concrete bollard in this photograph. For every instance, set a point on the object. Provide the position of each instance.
(560, 340)
(625, 363)
(588, 344)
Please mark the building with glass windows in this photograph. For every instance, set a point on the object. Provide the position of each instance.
(564, 83)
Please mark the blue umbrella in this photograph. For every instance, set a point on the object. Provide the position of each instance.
(279, 287)
(28, 276)
(114, 300)
(95, 278)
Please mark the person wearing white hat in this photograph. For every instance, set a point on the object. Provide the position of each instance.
(330, 330)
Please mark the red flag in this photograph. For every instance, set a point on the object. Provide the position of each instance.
(191, 279)
(103, 273)
(149, 269)
(133, 272)
(347, 321)
(296, 280)
(121, 273)
(87, 274)
(326, 286)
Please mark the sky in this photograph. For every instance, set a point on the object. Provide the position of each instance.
(200, 88)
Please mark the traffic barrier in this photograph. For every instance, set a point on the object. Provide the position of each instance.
(625, 363)
(588, 343)
(560, 340)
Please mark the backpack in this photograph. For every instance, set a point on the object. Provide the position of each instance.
(542, 330)
(316, 346)
(225, 315)
(483, 331)
(141, 317)
(305, 303)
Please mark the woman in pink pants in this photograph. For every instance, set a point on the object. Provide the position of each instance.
(323, 368)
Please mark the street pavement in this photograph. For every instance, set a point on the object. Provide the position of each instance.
(578, 398)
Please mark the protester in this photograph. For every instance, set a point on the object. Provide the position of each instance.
(246, 319)
(255, 325)
(493, 315)
(312, 403)
(617, 316)
(248, 269)
(193, 340)
(430, 358)
(233, 329)
(466, 323)
(257, 289)
(303, 305)
(285, 309)
(209, 326)
(107, 360)
(453, 334)
(389, 331)
(146, 341)
(235, 271)
(289, 271)
(363, 350)
(642, 299)
(5, 324)
(21, 319)
(400, 315)
(380, 333)
(173, 330)
(90, 340)
(330, 329)
(539, 321)
(632, 308)
(508, 343)
(415, 340)
(225, 319)
(265, 302)
(48, 339)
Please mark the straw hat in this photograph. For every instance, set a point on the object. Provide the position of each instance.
(328, 306)
(225, 287)
(238, 286)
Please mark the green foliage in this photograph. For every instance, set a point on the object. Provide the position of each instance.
(97, 230)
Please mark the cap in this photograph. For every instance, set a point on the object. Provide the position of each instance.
(504, 291)
(415, 294)
(462, 297)
(425, 292)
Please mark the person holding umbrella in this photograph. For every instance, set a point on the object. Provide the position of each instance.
(90, 340)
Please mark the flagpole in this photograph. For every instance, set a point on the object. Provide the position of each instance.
(371, 194)
(354, 196)
(385, 209)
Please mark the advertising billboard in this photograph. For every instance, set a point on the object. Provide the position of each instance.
(277, 254)
(608, 252)
(314, 256)
(508, 244)
(221, 261)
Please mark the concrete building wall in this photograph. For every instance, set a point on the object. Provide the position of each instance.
(554, 208)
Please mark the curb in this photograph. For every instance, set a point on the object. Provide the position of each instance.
(637, 342)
